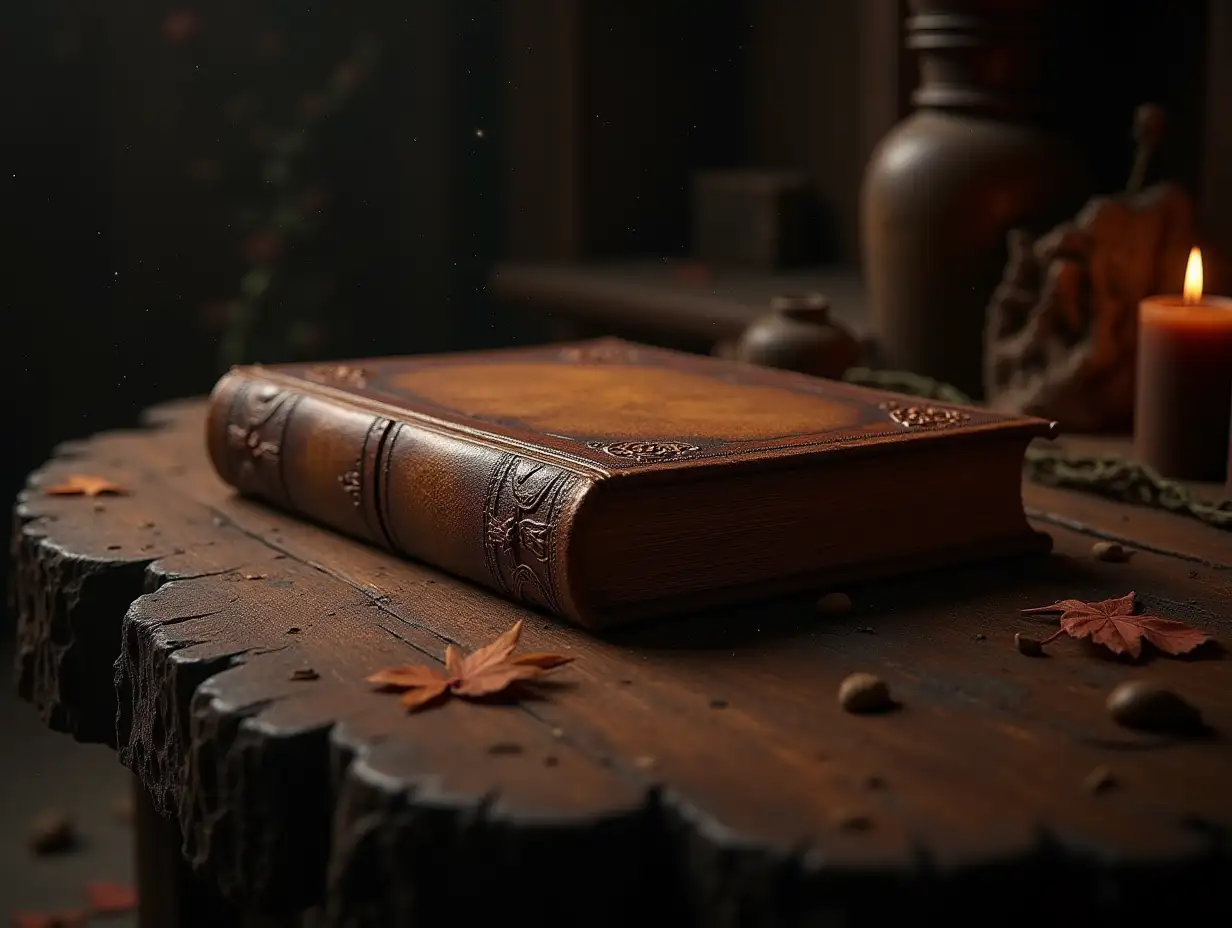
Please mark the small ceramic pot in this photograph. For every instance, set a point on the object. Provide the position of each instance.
(798, 335)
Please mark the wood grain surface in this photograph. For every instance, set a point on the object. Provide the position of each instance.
(696, 771)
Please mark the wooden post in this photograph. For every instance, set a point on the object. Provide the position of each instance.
(169, 895)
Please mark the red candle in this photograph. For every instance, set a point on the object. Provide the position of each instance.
(1184, 381)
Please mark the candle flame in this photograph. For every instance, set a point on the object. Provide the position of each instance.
(1193, 277)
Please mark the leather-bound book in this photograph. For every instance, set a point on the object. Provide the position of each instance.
(608, 482)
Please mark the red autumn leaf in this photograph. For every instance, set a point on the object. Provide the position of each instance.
(1112, 623)
(484, 672)
(84, 485)
(73, 918)
(110, 898)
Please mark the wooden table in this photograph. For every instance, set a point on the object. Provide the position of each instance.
(694, 772)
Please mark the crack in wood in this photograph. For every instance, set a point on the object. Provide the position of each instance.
(1082, 528)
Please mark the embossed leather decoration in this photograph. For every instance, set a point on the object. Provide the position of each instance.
(570, 477)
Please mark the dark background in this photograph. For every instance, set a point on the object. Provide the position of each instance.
(134, 140)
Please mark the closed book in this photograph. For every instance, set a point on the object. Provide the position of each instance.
(607, 482)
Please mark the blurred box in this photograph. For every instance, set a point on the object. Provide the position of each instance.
(754, 219)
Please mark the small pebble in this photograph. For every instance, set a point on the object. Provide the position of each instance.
(1142, 705)
(1099, 780)
(113, 547)
(645, 762)
(1110, 551)
(293, 630)
(852, 821)
(863, 693)
(865, 630)
(52, 832)
(834, 604)
(100, 507)
(1027, 645)
(254, 576)
(304, 673)
(980, 637)
(558, 733)
(505, 747)
(718, 703)
(146, 525)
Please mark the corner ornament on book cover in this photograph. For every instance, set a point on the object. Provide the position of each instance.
(345, 374)
(642, 450)
(924, 417)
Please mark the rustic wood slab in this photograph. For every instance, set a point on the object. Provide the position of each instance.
(697, 771)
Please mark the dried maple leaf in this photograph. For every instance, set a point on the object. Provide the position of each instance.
(85, 485)
(484, 672)
(1112, 623)
(110, 898)
(73, 918)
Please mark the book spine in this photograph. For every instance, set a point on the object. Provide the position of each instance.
(478, 511)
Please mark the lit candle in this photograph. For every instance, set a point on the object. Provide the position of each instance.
(1184, 381)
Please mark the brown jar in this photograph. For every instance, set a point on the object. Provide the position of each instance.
(798, 335)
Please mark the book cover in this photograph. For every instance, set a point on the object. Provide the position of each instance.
(481, 463)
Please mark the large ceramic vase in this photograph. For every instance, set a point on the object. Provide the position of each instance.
(978, 157)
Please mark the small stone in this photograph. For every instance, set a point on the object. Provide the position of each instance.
(1027, 645)
(254, 576)
(864, 693)
(980, 637)
(304, 673)
(1110, 551)
(847, 820)
(100, 507)
(505, 748)
(293, 630)
(645, 762)
(113, 547)
(53, 832)
(866, 630)
(146, 525)
(717, 703)
(1142, 705)
(834, 604)
(558, 733)
(1099, 780)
